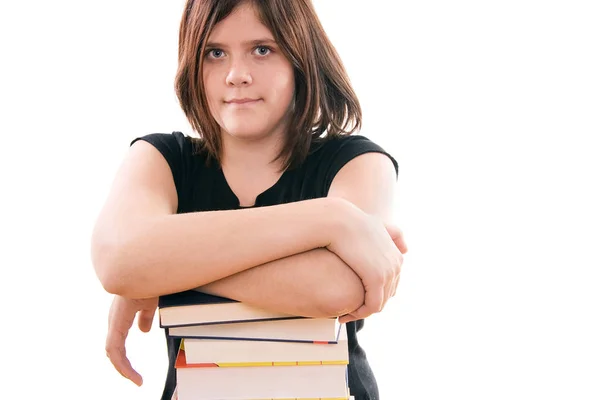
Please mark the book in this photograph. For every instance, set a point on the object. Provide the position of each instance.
(249, 353)
(234, 351)
(323, 330)
(209, 381)
(174, 397)
(192, 307)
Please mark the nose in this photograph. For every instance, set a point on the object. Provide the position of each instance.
(239, 74)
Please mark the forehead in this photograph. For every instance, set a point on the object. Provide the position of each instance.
(242, 25)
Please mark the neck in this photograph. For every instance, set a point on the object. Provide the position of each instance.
(248, 165)
(251, 155)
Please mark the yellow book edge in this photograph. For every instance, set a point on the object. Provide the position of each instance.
(181, 362)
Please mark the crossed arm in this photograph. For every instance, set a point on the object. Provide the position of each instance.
(318, 283)
(313, 283)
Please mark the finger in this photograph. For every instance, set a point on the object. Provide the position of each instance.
(398, 237)
(344, 319)
(118, 331)
(400, 244)
(117, 354)
(395, 285)
(145, 318)
(397, 277)
(120, 323)
(118, 357)
(374, 298)
(348, 318)
(361, 313)
(388, 293)
(389, 289)
(111, 310)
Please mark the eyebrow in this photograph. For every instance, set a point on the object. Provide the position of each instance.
(246, 43)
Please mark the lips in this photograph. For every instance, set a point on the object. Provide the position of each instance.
(242, 101)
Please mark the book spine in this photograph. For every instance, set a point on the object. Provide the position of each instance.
(248, 339)
(309, 398)
(266, 364)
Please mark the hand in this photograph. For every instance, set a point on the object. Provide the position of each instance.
(374, 251)
(120, 319)
(398, 238)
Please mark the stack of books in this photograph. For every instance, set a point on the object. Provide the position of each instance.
(233, 351)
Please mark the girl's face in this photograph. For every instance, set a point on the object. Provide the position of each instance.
(249, 83)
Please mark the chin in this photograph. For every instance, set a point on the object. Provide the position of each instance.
(246, 131)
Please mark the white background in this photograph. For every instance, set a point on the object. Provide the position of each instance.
(491, 108)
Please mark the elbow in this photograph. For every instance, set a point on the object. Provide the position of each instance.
(109, 267)
(113, 283)
(342, 291)
(343, 298)
(343, 303)
(107, 270)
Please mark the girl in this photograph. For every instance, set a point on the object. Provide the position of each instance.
(276, 204)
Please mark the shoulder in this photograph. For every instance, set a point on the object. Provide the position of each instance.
(175, 142)
(337, 151)
(329, 155)
(182, 153)
(175, 146)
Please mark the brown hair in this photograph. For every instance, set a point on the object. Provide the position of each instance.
(324, 99)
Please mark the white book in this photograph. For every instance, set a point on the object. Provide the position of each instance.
(296, 330)
(174, 397)
(198, 351)
(238, 383)
(202, 382)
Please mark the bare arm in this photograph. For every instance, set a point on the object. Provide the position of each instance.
(316, 283)
(139, 242)
(369, 181)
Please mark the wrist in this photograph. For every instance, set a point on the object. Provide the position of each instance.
(338, 214)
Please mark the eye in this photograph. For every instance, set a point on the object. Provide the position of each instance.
(214, 53)
(263, 50)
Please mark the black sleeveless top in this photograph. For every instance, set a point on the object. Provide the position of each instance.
(204, 188)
